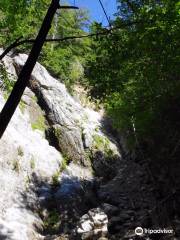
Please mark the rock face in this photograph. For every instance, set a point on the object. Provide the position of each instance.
(26, 160)
(25, 157)
(75, 130)
(74, 186)
(28, 164)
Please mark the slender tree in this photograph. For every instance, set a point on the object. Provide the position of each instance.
(24, 76)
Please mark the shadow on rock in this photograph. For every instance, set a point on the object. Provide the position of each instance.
(5, 234)
(60, 206)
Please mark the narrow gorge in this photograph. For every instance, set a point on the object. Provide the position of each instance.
(64, 172)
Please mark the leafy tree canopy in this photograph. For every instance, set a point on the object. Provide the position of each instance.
(23, 19)
(135, 70)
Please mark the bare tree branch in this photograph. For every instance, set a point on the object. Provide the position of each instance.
(10, 47)
(104, 32)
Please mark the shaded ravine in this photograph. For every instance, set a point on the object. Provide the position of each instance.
(124, 199)
(76, 186)
(102, 191)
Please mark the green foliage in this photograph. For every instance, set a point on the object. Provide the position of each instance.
(20, 151)
(6, 78)
(22, 106)
(27, 181)
(64, 164)
(76, 70)
(102, 143)
(39, 123)
(57, 132)
(51, 222)
(32, 163)
(55, 178)
(16, 165)
(21, 18)
(64, 58)
(135, 71)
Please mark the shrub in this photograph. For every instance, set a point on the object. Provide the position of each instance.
(39, 124)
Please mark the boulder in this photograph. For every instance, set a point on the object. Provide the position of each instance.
(93, 225)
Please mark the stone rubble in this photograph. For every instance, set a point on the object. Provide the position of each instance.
(99, 195)
(29, 163)
(93, 225)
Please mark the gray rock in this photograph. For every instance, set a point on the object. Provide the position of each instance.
(74, 128)
(93, 225)
(26, 159)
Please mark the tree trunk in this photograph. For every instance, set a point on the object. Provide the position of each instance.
(24, 76)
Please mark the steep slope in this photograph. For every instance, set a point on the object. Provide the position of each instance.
(30, 166)
(67, 179)
(25, 156)
(76, 131)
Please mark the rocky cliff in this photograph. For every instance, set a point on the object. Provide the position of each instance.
(51, 142)
(62, 173)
